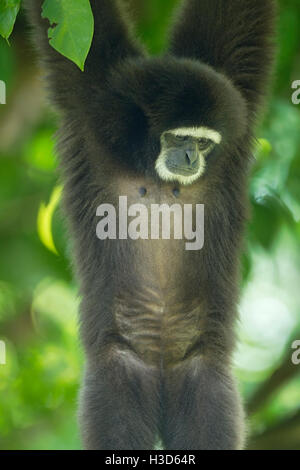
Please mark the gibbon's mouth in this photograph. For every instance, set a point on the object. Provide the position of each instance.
(184, 176)
(176, 170)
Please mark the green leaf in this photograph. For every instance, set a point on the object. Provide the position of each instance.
(262, 152)
(269, 214)
(40, 152)
(264, 147)
(72, 28)
(8, 14)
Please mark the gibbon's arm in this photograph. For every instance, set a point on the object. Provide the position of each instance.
(112, 42)
(233, 36)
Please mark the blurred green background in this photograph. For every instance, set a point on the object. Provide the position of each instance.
(38, 297)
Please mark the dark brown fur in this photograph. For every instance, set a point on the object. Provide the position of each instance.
(156, 320)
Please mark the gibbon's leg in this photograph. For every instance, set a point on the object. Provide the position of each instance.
(201, 409)
(119, 407)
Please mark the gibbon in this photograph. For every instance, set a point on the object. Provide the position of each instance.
(156, 320)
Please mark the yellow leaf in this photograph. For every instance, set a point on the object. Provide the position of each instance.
(44, 220)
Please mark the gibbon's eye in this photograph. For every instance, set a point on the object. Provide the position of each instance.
(181, 138)
(204, 143)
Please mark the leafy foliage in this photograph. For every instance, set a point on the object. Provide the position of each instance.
(8, 14)
(73, 28)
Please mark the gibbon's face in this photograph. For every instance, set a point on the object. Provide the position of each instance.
(171, 118)
(184, 153)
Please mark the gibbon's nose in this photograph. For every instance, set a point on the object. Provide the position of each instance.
(183, 161)
(191, 157)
